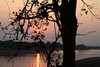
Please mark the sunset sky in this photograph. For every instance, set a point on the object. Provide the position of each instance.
(88, 22)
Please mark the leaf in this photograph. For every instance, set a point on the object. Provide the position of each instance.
(19, 10)
(12, 23)
(83, 9)
(45, 29)
(16, 13)
(13, 1)
(13, 12)
(35, 31)
(86, 12)
(46, 24)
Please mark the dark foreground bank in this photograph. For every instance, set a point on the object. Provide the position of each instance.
(88, 62)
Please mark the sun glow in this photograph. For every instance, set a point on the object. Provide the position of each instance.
(38, 30)
(38, 60)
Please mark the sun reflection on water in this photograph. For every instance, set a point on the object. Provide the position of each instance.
(38, 60)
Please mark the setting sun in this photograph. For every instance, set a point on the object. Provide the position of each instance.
(38, 30)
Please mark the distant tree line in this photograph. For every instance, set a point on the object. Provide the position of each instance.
(84, 47)
(12, 45)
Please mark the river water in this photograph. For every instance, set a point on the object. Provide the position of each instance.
(30, 60)
(87, 54)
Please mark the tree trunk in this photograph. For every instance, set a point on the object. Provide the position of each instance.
(68, 38)
(48, 60)
(68, 31)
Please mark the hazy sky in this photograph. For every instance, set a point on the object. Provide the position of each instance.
(89, 23)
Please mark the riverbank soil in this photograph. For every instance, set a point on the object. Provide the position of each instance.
(88, 62)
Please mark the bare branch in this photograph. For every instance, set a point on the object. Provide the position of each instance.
(89, 8)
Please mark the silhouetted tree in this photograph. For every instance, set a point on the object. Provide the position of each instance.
(68, 31)
(65, 18)
(67, 24)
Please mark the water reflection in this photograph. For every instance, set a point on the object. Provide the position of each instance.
(38, 60)
(21, 61)
(31, 60)
(87, 53)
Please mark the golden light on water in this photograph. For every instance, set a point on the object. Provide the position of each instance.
(38, 60)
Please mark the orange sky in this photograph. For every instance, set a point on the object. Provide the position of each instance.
(89, 23)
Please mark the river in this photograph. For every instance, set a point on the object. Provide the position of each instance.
(30, 60)
(87, 53)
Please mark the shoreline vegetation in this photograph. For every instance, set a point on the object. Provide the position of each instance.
(11, 47)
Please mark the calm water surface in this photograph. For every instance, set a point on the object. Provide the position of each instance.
(21, 61)
(30, 60)
(87, 53)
